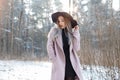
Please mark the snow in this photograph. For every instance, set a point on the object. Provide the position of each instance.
(41, 70)
(24, 70)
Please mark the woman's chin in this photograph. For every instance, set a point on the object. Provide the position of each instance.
(62, 27)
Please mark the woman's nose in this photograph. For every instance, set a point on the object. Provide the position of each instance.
(59, 23)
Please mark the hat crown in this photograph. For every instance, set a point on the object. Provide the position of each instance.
(57, 14)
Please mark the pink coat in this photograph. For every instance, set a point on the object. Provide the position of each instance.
(56, 53)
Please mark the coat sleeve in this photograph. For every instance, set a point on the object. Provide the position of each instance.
(76, 40)
(50, 45)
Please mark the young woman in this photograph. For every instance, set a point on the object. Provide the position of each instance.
(62, 45)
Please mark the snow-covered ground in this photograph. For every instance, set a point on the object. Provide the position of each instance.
(24, 70)
(36, 70)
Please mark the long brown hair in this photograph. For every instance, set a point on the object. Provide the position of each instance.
(68, 18)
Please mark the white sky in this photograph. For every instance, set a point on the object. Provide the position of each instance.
(116, 5)
(65, 5)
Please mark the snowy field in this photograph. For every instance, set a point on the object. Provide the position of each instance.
(35, 70)
(24, 70)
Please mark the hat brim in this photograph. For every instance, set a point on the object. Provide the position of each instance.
(55, 16)
(64, 14)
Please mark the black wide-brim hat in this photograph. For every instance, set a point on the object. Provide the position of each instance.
(55, 16)
(64, 14)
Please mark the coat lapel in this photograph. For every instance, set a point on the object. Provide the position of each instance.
(59, 40)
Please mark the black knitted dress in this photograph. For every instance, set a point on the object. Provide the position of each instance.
(69, 71)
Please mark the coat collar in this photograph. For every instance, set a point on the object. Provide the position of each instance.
(59, 38)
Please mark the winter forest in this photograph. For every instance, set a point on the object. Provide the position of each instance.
(24, 25)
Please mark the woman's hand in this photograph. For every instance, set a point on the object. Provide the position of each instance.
(74, 23)
(76, 28)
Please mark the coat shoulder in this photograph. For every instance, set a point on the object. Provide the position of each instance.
(53, 33)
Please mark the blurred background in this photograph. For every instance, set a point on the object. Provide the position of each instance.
(24, 25)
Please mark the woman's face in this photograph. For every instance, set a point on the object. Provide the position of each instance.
(61, 22)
